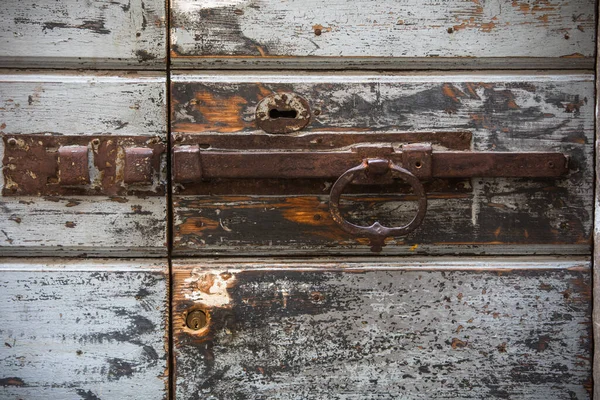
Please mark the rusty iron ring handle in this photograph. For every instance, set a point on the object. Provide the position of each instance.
(377, 232)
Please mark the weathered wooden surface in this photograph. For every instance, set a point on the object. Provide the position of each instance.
(92, 34)
(596, 315)
(83, 104)
(374, 34)
(419, 329)
(82, 329)
(520, 112)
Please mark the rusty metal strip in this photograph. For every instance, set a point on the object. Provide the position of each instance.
(331, 164)
(48, 165)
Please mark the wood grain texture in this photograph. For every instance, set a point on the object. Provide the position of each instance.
(596, 315)
(504, 112)
(91, 34)
(418, 329)
(65, 103)
(382, 34)
(82, 329)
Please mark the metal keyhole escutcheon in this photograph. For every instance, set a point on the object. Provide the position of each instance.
(282, 113)
(377, 233)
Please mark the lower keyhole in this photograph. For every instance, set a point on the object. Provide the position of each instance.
(275, 113)
(196, 320)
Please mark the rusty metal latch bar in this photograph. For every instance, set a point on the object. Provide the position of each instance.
(361, 163)
(193, 164)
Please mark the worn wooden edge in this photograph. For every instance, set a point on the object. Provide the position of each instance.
(157, 64)
(80, 76)
(441, 249)
(389, 263)
(374, 63)
(50, 264)
(83, 251)
(596, 246)
(436, 76)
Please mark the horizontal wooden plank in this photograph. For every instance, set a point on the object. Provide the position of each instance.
(504, 112)
(94, 34)
(83, 104)
(419, 328)
(382, 34)
(82, 329)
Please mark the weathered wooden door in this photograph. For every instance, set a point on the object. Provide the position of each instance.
(297, 200)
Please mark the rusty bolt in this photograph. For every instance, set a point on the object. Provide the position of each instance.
(12, 141)
(318, 32)
(196, 320)
(450, 30)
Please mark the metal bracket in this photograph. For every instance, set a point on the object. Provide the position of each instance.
(47, 165)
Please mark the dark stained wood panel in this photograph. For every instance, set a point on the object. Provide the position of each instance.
(81, 329)
(359, 34)
(372, 329)
(504, 112)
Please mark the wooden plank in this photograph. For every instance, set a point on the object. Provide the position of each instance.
(596, 316)
(81, 329)
(394, 328)
(94, 34)
(504, 112)
(411, 34)
(86, 104)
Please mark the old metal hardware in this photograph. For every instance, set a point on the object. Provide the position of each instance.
(138, 165)
(196, 320)
(205, 164)
(377, 232)
(48, 165)
(282, 113)
(207, 157)
(187, 166)
(73, 165)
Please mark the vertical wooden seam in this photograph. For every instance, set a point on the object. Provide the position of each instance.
(595, 246)
(170, 222)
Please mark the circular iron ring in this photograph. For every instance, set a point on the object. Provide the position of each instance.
(377, 230)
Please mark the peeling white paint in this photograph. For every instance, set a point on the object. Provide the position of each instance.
(209, 288)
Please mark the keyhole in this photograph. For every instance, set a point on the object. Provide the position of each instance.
(196, 320)
(275, 113)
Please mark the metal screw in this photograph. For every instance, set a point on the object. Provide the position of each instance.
(12, 141)
(196, 320)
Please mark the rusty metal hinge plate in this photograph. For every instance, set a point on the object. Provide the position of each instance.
(48, 165)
